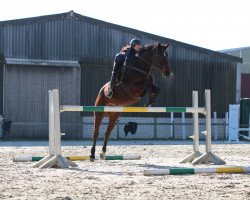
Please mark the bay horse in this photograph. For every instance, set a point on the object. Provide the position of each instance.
(137, 81)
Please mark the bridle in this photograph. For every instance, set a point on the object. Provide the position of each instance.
(158, 65)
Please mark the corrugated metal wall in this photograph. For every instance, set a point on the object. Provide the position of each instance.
(26, 99)
(72, 37)
(65, 39)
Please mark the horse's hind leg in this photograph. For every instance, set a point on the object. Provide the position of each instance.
(98, 120)
(112, 120)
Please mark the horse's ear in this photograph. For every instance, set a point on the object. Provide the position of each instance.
(157, 46)
(166, 46)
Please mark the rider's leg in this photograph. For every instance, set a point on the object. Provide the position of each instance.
(113, 79)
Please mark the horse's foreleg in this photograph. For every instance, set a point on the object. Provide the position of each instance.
(98, 120)
(153, 92)
(112, 120)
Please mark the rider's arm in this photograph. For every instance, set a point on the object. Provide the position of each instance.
(131, 56)
(120, 58)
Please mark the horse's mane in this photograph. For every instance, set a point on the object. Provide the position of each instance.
(145, 48)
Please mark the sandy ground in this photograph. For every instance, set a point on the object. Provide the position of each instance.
(121, 179)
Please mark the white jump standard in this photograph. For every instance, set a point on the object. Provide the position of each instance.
(54, 159)
(208, 157)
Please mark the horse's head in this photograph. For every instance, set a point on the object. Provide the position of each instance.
(160, 59)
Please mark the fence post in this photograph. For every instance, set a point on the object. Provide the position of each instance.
(226, 126)
(172, 125)
(118, 128)
(183, 121)
(233, 124)
(155, 128)
(215, 121)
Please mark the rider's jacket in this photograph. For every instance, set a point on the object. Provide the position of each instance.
(131, 56)
(120, 58)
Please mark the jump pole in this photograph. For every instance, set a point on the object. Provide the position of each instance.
(181, 171)
(77, 158)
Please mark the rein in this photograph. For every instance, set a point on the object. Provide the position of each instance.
(143, 71)
(140, 70)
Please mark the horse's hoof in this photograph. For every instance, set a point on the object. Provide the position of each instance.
(102, 156)
(147, 105)
(91, 159)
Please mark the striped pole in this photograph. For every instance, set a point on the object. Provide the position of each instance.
(78, 158)
(27, 158)
(70, 108)
(181, 171)
(113, 157)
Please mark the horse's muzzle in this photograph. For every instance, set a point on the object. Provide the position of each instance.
(166, 71)
(167, 74)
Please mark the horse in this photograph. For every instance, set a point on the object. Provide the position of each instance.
(137, 81)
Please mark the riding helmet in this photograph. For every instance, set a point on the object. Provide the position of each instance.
(135, 41)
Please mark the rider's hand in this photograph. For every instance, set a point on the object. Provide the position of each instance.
(137, 55)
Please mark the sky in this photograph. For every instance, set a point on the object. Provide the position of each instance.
(212, 24)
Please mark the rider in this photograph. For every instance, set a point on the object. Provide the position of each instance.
(133, 52)
(128, 57)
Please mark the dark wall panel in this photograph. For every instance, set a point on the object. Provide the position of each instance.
(1, 87)
(245, 86)
(26, 98)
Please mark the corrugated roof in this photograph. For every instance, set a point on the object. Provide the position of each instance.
(72, 14)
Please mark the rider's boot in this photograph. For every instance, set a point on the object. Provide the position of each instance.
(111, 86)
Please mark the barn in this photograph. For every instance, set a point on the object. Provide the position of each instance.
(243, 52)
(75, 53)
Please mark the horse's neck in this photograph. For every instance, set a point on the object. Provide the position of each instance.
(146, 62)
